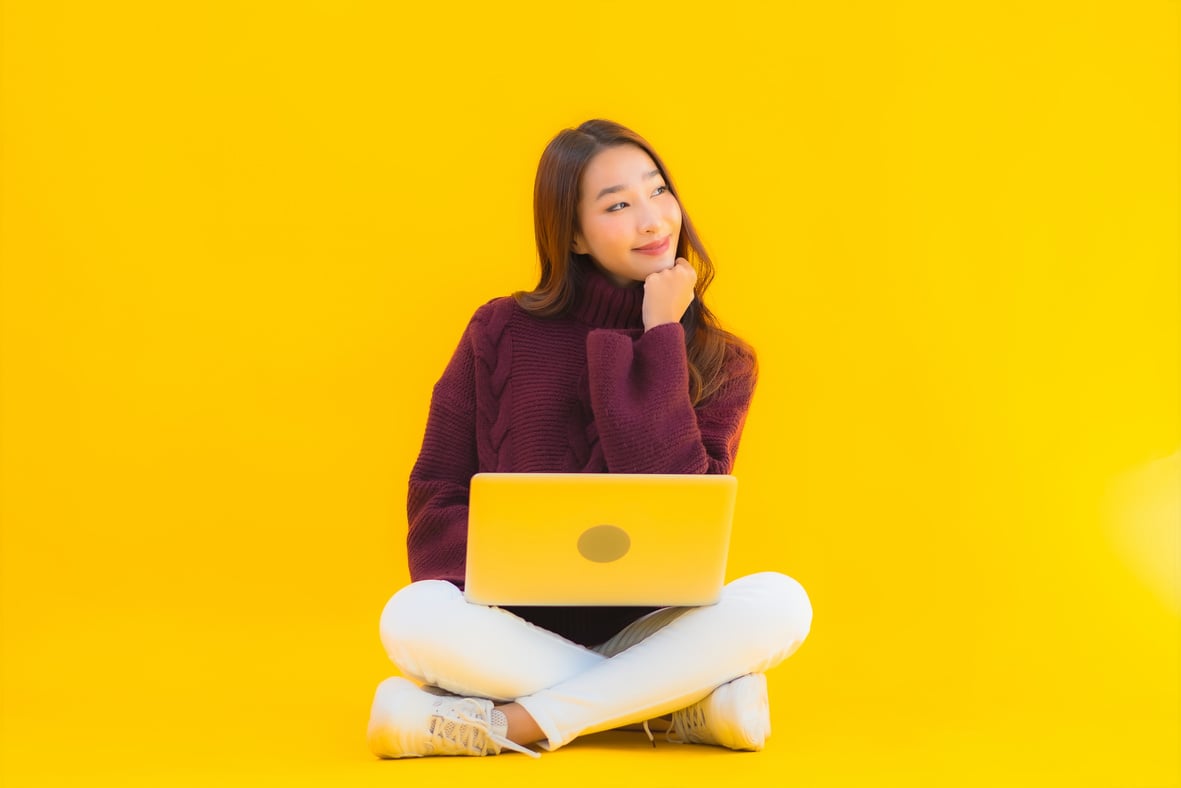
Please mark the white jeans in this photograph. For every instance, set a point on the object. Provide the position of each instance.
(667, 660)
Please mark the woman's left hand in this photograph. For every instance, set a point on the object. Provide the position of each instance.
(667, 294)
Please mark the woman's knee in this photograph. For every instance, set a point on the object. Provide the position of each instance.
(413, 613)
(776, 606)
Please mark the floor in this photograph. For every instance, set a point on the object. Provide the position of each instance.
(183, 730)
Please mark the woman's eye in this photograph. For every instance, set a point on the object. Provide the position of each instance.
(617, 206)
(660, 190)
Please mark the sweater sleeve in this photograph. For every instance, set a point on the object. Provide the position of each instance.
(437, 499)
(639, 390)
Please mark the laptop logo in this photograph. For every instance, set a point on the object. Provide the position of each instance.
(604, 543)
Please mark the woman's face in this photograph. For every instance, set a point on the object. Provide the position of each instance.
(629, 220)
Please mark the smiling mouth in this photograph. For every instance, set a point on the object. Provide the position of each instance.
(657, 247)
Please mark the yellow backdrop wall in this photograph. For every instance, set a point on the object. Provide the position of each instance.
(240, 240)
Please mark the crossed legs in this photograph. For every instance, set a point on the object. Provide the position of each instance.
(659, 664)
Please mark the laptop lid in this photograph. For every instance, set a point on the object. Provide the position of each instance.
(598, 539)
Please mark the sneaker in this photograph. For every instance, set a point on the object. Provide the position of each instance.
(409, 722)
(735, 715)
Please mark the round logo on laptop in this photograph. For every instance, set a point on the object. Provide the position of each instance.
(604, 543)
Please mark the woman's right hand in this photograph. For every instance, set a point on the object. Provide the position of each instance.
(667, 294)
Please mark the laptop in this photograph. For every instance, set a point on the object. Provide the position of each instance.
(598, 539)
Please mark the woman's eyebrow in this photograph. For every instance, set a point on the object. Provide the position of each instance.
(612, 189)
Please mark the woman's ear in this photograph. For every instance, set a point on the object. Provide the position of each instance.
(579, 246)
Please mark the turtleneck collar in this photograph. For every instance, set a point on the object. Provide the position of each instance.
(601, 303)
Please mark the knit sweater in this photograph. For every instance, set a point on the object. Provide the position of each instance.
(589, 391)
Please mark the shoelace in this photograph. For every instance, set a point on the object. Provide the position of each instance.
(684, 723)
(681, 727)
(468, 731)
(512, 745)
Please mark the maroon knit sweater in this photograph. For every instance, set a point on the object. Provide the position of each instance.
(586, 392)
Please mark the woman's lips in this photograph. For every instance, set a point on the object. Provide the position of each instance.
(655, 248)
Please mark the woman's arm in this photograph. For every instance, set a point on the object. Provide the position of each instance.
(639, 390)
(437, 499)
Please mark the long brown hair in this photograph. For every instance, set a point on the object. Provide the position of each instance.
(555, 223)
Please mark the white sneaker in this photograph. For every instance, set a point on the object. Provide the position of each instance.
(408, 722)
(735, 715)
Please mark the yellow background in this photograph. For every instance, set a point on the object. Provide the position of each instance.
(240, 241)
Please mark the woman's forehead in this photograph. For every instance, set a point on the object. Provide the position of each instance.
(618, 166)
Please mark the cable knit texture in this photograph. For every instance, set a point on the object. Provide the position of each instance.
(587, 392)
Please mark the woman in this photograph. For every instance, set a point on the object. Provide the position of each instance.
(613, 364)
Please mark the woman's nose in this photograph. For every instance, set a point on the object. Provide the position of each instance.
(650, 219)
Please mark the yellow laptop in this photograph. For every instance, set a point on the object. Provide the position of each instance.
(598, 539)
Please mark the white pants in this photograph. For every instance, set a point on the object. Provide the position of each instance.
(666, 661)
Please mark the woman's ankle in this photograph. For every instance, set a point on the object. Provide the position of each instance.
(522, 728)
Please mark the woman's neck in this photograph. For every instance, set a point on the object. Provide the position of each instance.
(601, 303)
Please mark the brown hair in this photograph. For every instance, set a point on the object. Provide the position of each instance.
(555, 223)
